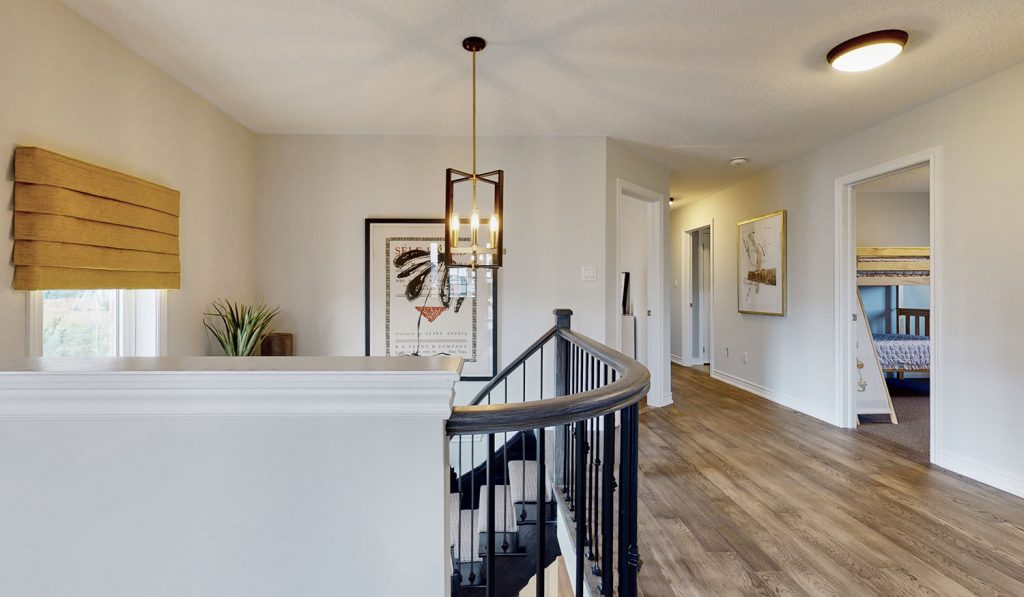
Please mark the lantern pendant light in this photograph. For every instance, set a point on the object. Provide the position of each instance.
(474, 241)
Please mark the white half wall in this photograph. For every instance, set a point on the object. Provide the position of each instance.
(67, 86)
(982, 138)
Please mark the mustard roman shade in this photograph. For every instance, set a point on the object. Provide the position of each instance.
(79, 226)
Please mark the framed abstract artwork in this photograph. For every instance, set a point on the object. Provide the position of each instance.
(761, 271)
(418, 306)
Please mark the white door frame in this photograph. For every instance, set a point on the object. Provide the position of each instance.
(846, 275)
(688, 290)
(658, 327)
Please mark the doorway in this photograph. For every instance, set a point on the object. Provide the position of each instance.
(888, 276)
(641, 216)
(698, 297)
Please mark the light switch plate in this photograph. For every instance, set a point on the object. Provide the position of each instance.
(589, 273)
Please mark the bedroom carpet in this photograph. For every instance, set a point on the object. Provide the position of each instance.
(910, 399)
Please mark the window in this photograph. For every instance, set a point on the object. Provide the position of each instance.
(95, 323)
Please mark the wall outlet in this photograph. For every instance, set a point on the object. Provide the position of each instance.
(589, 273)
(746, 357)
(726, 352)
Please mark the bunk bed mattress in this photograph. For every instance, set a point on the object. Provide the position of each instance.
(902, 352)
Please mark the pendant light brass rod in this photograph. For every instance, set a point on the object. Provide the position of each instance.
(474, 130)
(474, 114)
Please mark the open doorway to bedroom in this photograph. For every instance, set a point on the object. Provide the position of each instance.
(892, 310)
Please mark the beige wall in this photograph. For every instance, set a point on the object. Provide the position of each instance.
(892, 220)
(978, 245)
(67, 86)
(315, 193)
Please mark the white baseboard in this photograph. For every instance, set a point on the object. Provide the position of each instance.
(978, 471)
(802, 406)
(678, 360)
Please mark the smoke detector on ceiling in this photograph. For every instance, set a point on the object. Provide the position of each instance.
(738, 161)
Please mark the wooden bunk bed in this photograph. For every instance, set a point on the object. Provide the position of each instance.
(893, 266)
(908, 349)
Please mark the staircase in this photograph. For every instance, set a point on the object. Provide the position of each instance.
(515, 500)
(562, 413)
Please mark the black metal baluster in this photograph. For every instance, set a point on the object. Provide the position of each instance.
(522, 515)
(581, 518)
(491, 466)
(508, 486)
(608, 505)
(473, 538)
(540, 377)
(541, 509)
(595, 525)
(590, 463)
(565, 461)
(458, 522)
(623, 542)
(601, 493)
(635, 562)
(629, 557)
(542, 497)
(590, 491)
(592, 538)
(573, 440)
(508, 498)
(579, 442)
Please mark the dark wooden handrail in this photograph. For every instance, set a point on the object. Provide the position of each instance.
(632, 384)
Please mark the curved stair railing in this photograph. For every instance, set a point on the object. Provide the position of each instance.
(581, 398)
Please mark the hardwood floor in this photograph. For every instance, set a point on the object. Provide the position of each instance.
(740, 496)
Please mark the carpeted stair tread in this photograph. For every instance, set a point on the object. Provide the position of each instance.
(466, 525)
(501, 503)
(518, 471)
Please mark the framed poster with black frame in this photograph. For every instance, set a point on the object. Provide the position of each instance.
(417, 306)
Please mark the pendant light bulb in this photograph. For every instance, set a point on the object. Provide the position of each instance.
(453, 230)
(493, 227)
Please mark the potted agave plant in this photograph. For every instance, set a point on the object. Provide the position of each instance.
(238, 328)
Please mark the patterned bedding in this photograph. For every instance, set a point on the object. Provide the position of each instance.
(903, 352)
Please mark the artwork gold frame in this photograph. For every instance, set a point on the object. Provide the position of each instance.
(761, 265)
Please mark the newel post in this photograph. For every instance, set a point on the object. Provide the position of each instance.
(563, 321)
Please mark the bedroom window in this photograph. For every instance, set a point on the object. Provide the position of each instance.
(96, 323)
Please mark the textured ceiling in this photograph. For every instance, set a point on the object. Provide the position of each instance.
(912, 180)
(690, 82)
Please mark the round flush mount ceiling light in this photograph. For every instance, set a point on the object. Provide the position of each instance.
(738, 161)
(867, 51)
